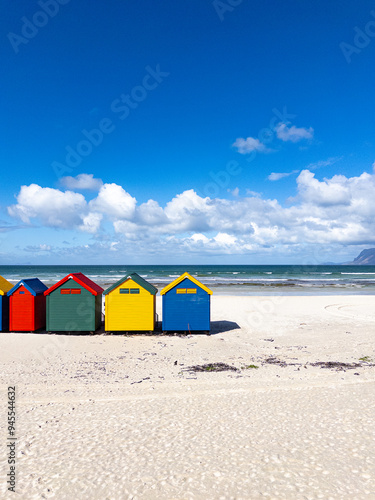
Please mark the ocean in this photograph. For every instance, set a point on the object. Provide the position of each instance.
(230, 280)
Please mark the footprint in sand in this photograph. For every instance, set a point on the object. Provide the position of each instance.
(353, 311)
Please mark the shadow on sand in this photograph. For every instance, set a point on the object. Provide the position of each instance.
(216, 327)
(223, 326)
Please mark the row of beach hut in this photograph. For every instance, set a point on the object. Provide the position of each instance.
(75, 304)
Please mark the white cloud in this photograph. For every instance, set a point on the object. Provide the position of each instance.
(234, 192)
(327, 213)
(151, 213)
(323, 163)
(129, 230)
(276, 176)
(249, 192)
(198, 237)
(114, 202)
(81, 182)
(53, 207)
(188, 212)
(91, 222)
(283, 132)
(38, 248)
(335, 191)
(224, 239)
(245, 146)
(293, 133)
(113, 247)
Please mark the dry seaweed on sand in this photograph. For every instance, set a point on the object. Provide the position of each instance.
(275, 361)
(212, 367)
(336, 365)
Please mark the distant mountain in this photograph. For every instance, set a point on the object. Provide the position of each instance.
(365, 258)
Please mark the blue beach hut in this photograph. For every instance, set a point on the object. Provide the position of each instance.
(5, 286)
(186, 305)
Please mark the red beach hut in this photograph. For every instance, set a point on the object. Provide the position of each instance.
(27, 306)
(5, 286)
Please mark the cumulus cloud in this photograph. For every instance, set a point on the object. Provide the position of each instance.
(81, 182)
(188, 212)
(332, 211)
(246, 146)
(53, 207)
(199, 237)
(151, 213)
(225, 239)
(91, 222)
(335, 191)
(114, 202)
(293, 133)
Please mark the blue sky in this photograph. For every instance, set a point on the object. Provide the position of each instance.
(206, 131)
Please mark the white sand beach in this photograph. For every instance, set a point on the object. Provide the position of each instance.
(122, 416)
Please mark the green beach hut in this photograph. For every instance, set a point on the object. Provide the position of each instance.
(74, 304)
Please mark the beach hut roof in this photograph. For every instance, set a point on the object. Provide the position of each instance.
(138, 279)
(33, 285)
(5, 286)
(181, 278)
(81, 279)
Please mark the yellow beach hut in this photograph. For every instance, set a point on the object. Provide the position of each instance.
(130, 305)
